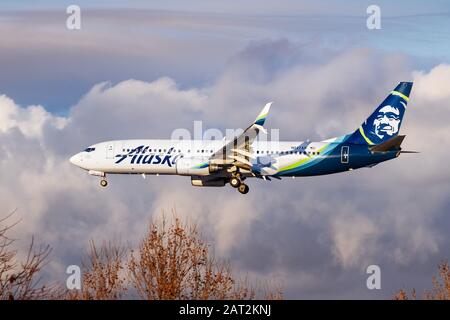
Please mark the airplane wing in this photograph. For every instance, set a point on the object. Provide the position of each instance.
(238, 151)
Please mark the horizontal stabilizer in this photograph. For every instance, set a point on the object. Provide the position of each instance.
(390, 145)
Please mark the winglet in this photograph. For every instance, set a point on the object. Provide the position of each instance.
(261, 118)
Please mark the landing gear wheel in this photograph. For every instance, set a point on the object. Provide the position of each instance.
(103, 183)
(243, 188)
(235, 182)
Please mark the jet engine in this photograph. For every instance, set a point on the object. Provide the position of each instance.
(205, 182)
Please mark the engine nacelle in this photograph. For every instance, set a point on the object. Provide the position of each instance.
(214, 167)
(193, 166)
(199, 182)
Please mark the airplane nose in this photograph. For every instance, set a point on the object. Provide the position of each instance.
(75, 159)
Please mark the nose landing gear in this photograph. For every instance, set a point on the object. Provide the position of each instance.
(103, 182)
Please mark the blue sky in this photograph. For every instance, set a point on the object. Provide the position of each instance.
(140, 70)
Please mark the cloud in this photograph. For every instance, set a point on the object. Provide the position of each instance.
(148, 106)
(353, 237)
(316, 233)
(29, 121)
(44, 63)
(433, 86)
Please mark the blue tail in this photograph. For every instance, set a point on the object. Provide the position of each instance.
(384, 123)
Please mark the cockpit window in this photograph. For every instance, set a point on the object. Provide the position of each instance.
(90, 149)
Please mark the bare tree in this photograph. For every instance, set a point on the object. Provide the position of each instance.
(441, 284)
(103, 276)
(439, 291)
(20, 280)
(174, 262)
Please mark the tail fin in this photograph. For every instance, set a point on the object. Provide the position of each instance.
(384, 123)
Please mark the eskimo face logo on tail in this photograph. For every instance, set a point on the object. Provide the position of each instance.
(387, 122)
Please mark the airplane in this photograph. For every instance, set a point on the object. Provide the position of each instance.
(215, 163)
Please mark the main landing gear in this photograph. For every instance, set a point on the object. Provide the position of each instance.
(236, 182)
(243, 188)
(103, 182)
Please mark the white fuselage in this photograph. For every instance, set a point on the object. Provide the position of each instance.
(161, 156)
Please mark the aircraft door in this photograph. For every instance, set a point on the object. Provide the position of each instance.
(345, 154)
(110, 151)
